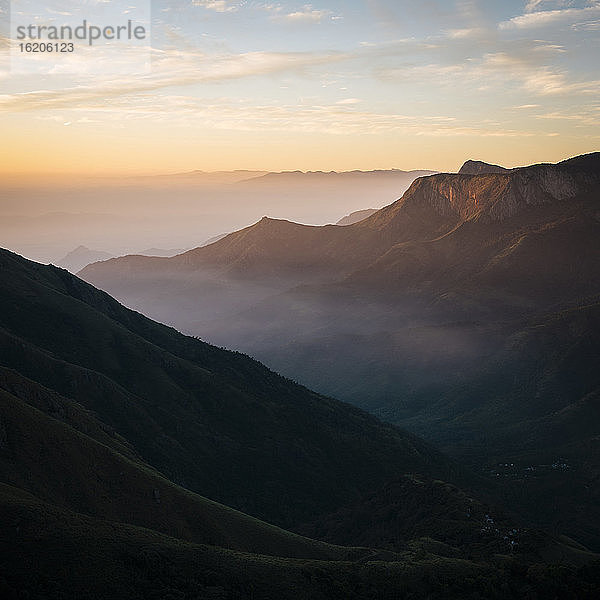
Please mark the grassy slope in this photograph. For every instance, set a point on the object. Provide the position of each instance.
(69, 469)
(105, 560)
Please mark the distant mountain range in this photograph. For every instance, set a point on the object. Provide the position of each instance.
(324, 178)
(467, 311)
(82, 256)
(178, 210)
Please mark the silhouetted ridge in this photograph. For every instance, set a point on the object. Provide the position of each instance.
(586, 163)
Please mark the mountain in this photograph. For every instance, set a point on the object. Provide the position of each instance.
(478, 167)
(356, 216)
(80, 257)
(454, 234)
(430, 314)
(61, 453)
(198, 177)
(200, 206)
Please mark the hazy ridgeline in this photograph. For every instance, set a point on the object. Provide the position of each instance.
(45, 218)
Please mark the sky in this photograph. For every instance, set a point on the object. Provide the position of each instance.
(326, 85)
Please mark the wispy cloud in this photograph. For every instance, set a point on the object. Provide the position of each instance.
(587, 26)
(498, 70)
(217, 5)
(545, 18)
(542, 80)
(171, 68)
(467, 33)
(235, 115)
(580, 118)
(306, 14)
(534, 5)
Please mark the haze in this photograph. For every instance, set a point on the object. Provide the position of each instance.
(48, 217)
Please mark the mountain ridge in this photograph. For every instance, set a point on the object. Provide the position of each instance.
(451, 197)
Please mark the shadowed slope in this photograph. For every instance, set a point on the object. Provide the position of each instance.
(66, 467)
(216, 422)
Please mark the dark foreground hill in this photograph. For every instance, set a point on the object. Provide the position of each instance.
(216, 422)
(49, 553)
(104, 414)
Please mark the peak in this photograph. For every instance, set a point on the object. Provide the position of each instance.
(272, 221)
(478, 167)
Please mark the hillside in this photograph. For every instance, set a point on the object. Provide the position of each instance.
(216, 422)
(493, 220)
(104, 415)
(61, 464)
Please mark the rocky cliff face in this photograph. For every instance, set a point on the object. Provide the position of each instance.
(498, 196)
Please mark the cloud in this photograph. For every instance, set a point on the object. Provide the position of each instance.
(307, 14)
(348, 101)
(235, 115)
(539, 80)
(532, 5)
(467, 33)
(587, 26)
(501, 70)
(217, 5)
(171, 68)
(581, 118)
(545, 18)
